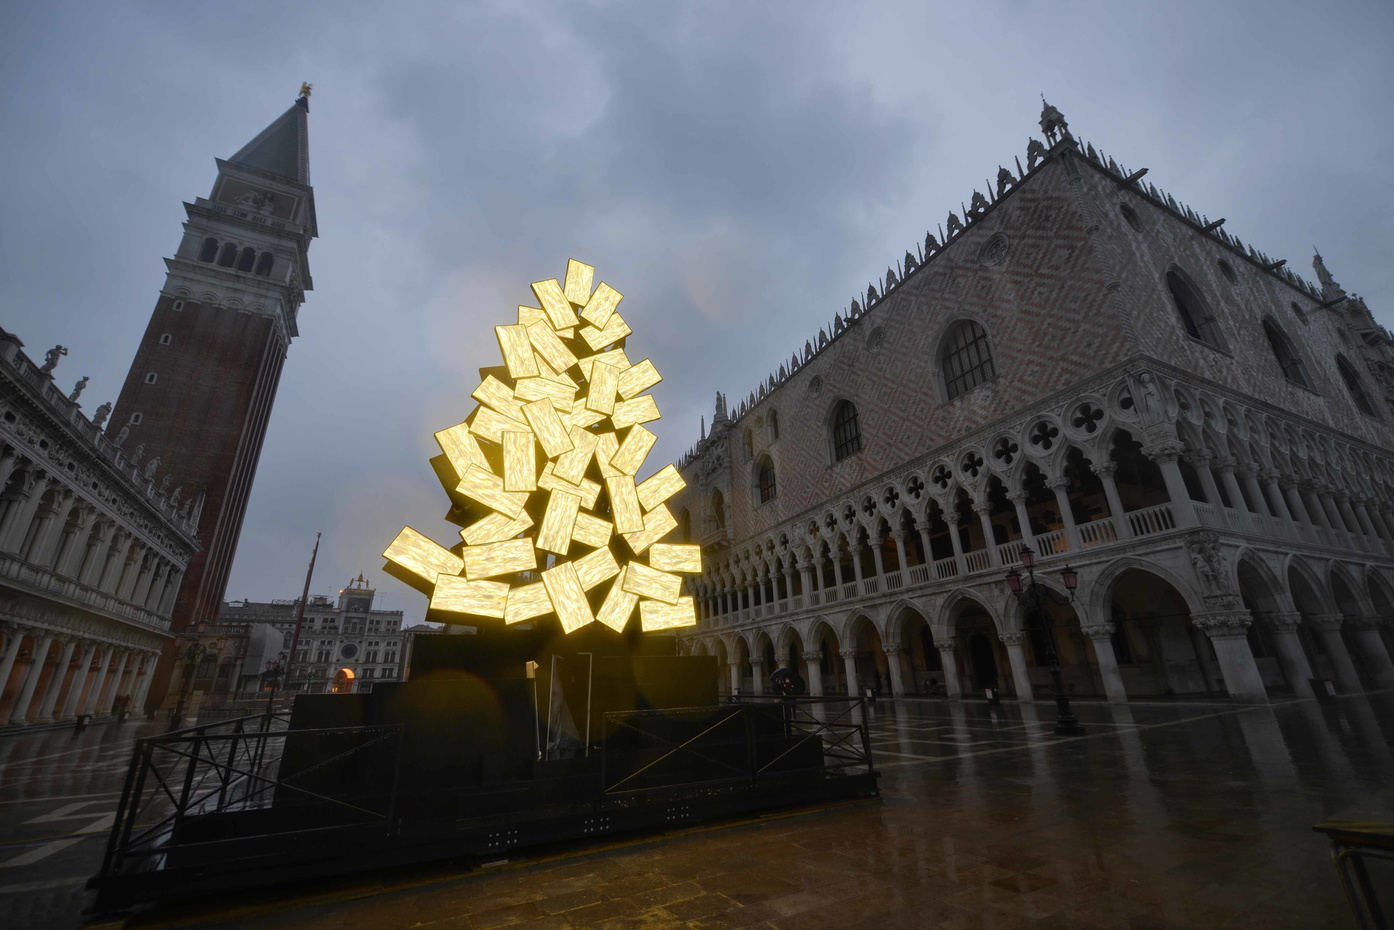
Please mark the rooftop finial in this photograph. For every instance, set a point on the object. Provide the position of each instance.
(1053, 125)
(1330, 290)
(306, 87)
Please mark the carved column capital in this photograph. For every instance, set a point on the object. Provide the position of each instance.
(1168, 450)
(1326, 623)
(1282, 622)
(1225, 625)
(1058, 482)
(1012, 637)
(813, 655)
(946, 648)
(1097, 630)
(951, 518)
(893, 650)
(1105, 469)
(1366, 622)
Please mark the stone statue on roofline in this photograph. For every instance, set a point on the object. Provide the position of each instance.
(78, 389)
(100, 416)
(51, 358)
(1034, 153)
(1005, 181)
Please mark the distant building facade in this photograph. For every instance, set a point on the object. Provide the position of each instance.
(94, 544)
(345, 644)
(200, 390)
(1083, 366)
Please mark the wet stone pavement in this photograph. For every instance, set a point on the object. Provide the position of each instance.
(1163, 816)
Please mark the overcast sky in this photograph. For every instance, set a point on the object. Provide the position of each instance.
(740, 171)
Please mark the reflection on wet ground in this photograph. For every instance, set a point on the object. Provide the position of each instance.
(1164, 815)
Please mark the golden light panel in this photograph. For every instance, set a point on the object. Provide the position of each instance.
(580, 520)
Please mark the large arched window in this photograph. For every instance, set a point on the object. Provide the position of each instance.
(847, 431)
(1287, 358)
(1355, 386)
(248, 260)
(1195, 315)
(209, 252)
(264, 263)
(764, 479)
(719, 508)
(228, 256)
(966, 359)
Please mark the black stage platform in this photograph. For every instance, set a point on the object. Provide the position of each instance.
(500, 740)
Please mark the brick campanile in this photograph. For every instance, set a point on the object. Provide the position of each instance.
(200, 390)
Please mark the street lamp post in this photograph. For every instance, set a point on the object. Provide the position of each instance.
(1031, 596)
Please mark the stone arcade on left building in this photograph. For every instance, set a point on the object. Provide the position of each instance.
(93, 546)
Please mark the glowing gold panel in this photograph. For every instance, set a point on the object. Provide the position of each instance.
(491, 425)
(461, 448)
(641, 409)
(592, 531)
(654, 615)
(638, 379)
(579, 276)
(601, 305)
(519, 461)
(606, 445)
(604, 382)
(553, 299)
(486, 487)
(587, 490)
(527, 602)
(658, 523)
(548, 428)
(618, 606)
(633, 451)
(517, 351)
(644, 581)
(558, 522)
(660, 486)
(494, 528)
(549, 345)
(422, 556)
(614, 357)
(624, 504)
(500, 558)
(494, 393)
(599, 566)
(568, 597)
(571, 466)
(614, 330)
(566, 387)
(477, 598)
(561, 395)
(676, 557)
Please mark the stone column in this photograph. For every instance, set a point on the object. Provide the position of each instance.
(1207, 480)
(1296, 507)
(1101, 635)
(950, 669)
(789, 584)
(879, 559)
(1353, 525)
(84, 669)
(98, 680)
(8, 461)
(951, 518)
(1275, 498)
(922, 526)
(1227, 632)
(1105, 471)
(1012, 640)
(1313, 505)
(14, 635)
(71, 562)
(856, 553)
(21, 515)
(55, 681)
(1362, 516)
(989, 540)
(902, 557)
(1376, 656)
(814, 670)
(98, 555)
(118, 675)
(1282, 629)
(735, 677)
(849, 662)
(1236, 494)
(1067, 514)
(1260, 503)
(894, 664)
(805, 586)
(157, 586)
(20, 711)
(1018, 499)
(44, 548)
(758, 675)
(1328, 627)
(1165, 455)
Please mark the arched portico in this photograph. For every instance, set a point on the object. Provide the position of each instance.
(1158, 650)
(1278, 652)
(912, 647)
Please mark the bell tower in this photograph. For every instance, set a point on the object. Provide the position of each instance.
(200, 390)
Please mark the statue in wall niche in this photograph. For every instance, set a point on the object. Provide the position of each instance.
(955, 224)
(1151, 407)
(1203, 547)
(121, 436)
(51, 358)
(78, 389)
(1034, 153)
(1005, 181)
(100, 416)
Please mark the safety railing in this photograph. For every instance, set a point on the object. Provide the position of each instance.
(1098, 532)
(180, 780)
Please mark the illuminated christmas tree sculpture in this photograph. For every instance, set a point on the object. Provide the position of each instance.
(542, 542)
